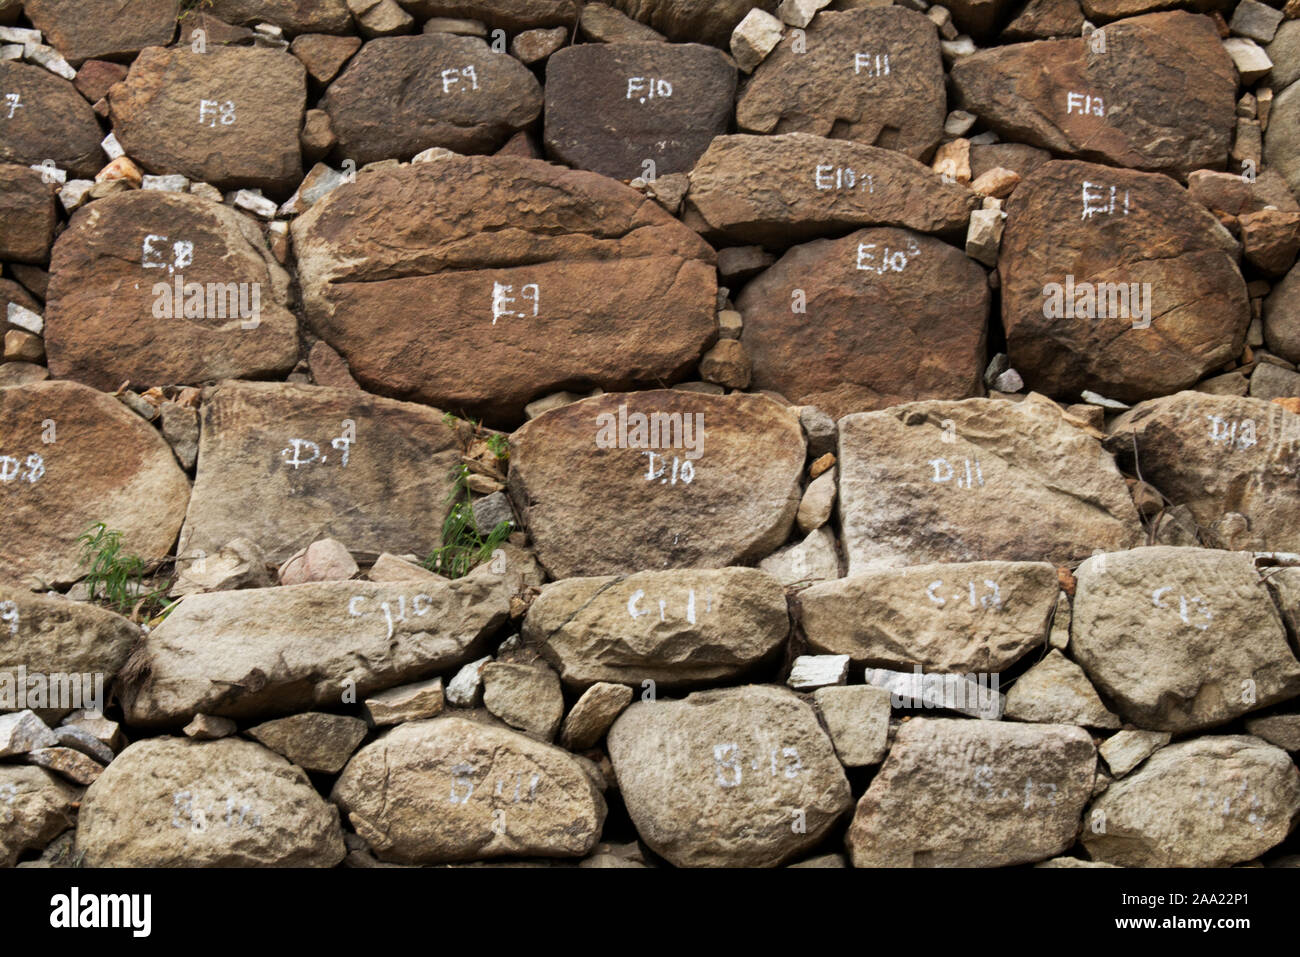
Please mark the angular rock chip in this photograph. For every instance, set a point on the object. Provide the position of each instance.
(229, 117)
(1181, 638)
(27, 215)
(1117, 282)
(526, 697)
(592, 715)
(1125, 750)
(49, 636)
(292, 16)
(172, 802)
(272, 651)
(662, 479)
(22, 732)
(1130, 106)
(326, 463)
(873, 75)
(511, 15)
(549, 277)
(977, 480)
(813, 559)
(38, 806)
(777, 190)
(682, 628)
(719, 778)
(1056, 691)
(857, 717)
(43, 117)
(123, 304)
(1209, 802)
(961, 793)
(702, 21)
(103, 29)
(73, 457)
(977, 617)
(312, 740)
(1216, 455)
(1282, 730)
(613, 107)
(454, 789)
(402, 95)
(884, 316)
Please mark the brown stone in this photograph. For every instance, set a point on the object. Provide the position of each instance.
(27, 215)
(50, 121)
(324, 55)
(1129, 106)
(401, 95)
(612, 108)
(777, 190)
(509, 15)
(292, 16)
(1125, 228)
(73, 457)
(121, 259)
(514, 260)
(1270, 239)
(844, 87)
(594, 510)
(891, 316)
(96, 78)
(696, 21)
(86, 29)
(229, 117)
(1045, 19)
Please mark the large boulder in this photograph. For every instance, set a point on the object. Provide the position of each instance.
(651, 480)
(966, 793)
(272, 651)
(976, 617)
(73, 457)
(327, 463)
(613, 107)
(103, 29)
(871, 75)
(879, 317)
(976, 480)
(1118, 282)
(1229, 459)
(402, 95)
(455, 789)
(679, 628)
(743, 777)
(230, 117)
(1181, 638)
(43, 117)
(1209, 802)
(777, 190)
(173, 802)
(548, 277)
(123, 304)
(1128, 106)
(1282, 141)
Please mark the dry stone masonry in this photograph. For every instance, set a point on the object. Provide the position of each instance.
(650, 433)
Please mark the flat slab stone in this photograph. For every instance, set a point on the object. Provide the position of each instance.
(613, 107)
(550, 277)
(595, 502)
(123, 304)
(327, 463)
(73, 457)
(103, 29)
(983, 479)
(292, 16)
(975, 617)
(271, 651)
(776, 190)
